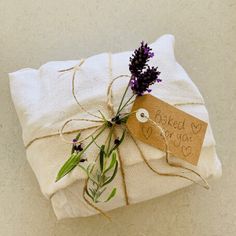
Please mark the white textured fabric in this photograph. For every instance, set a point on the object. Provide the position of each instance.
(44, 101)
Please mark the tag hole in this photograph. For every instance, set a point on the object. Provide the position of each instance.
(142, 115)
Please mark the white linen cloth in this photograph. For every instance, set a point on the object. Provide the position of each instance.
(44, 101)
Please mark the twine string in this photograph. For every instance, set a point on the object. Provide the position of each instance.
(109, 88)
(205, 185)
(75, 69)
(78, 141)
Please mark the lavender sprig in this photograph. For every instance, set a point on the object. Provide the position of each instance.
(141, 84)
(142, 75)
(139, 59)
(101, 173)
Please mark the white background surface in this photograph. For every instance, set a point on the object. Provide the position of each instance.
(34, 32)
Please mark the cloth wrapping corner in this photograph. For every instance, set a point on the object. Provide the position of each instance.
(44, 101)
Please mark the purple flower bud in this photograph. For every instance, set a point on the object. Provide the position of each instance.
(78, 148)
(116, 141)
(151, 54)
(142, 76)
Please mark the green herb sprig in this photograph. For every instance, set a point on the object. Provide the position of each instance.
(103, 171)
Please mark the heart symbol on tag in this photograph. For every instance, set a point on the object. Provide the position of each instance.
(196, 128)
(147, 131)
(186, 150)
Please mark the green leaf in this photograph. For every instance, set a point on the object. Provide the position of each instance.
(73, 146)
(91, 165)
(99, 193)
(103, 117)
(78, 136)
(117, 145)
(112, 194)
(113, 176)
(93, 180)
(72, 149)
(83, 168)
(89, 173)
(124, 119)
(93, 192)
(101, 155)
(122, 137)
(69, 165)
(94, 140)
(112, 163)
(104, 178)
(87, 192)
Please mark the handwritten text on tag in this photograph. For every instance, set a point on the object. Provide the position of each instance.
(184, 132)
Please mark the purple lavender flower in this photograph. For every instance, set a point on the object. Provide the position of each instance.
(139, 59)
(78, 147)
(142, 76)
(141, 84)
(116, 141)
(74, 140)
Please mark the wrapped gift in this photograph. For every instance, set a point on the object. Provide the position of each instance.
(62, 98)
